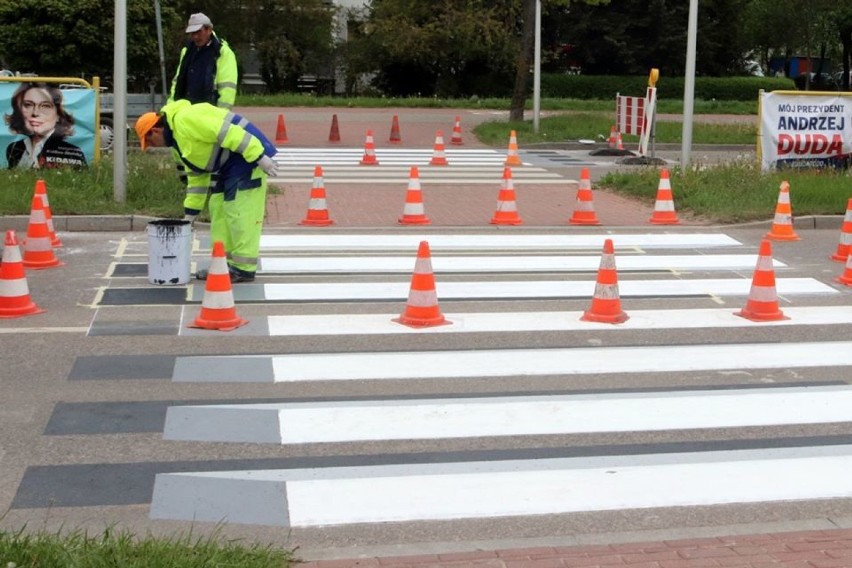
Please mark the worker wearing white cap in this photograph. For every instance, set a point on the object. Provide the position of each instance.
(206, 73)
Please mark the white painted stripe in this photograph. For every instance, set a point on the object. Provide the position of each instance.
(455, 179)
(528, 263)
(412, 365)
(350, 421)
(492, 241)
(376, 324)
(532, 289)
(337, 496)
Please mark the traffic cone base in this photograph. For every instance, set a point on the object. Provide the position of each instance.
(422, 308)
(846, 277)
(15, 300)
(317, 213)
(584, 209)
(762, 304)
(217, 308)
(606, 304)
(664, 209)
(782, 224)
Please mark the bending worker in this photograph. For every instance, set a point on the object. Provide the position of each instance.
(211, 140)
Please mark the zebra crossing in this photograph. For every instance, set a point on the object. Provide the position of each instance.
(487, 376)
(468, 166)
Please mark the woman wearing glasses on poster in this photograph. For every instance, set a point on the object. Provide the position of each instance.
(38, 114)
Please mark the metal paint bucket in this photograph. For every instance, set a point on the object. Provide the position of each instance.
(169, 251)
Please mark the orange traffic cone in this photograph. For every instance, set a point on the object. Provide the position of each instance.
(15, 301)
(217, 308)
(664, 209)
(782, 225)
(413, 212)
(606, 305)
(41, 189)
(762, 302)
(456, 138)
(845, 236)
(334, 133)
(512, 157)
(422, 308)
(369, 158)
(584, 209)
(38, 252)
(619, 143)
(612, 137)
(439, 157)
(281, 131)
(846, 277)
(317, 209)
(395, 137)
(507, 209)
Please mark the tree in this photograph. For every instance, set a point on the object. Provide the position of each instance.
(444, 48)
(526, 52)
(61, 38)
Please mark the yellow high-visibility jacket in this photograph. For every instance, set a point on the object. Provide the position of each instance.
(204, 137)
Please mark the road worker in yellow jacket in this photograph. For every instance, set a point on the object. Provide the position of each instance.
(212, 140)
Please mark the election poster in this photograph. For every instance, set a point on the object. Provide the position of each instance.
(46, 126)
(801, 130)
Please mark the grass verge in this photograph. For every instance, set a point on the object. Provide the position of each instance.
(737, 192)
(79, 550)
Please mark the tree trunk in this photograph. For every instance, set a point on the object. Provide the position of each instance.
(522, 70)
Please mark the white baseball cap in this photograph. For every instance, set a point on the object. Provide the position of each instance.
(198, 21)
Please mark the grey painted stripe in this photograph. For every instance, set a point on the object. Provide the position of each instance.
(153, 327)
(93, 367)
(509, 290)
(149, 296)
(413, 365)
(327, 422)
(340, 496)
(528, 263)
(103, 484)
(195, 369)
(447, 242)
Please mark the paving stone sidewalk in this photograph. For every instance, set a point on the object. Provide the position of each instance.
(807, 549)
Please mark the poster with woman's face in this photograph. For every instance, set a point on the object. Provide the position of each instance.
(45, 126)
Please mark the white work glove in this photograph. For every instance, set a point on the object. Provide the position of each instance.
(190, 218)
(269, 166)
